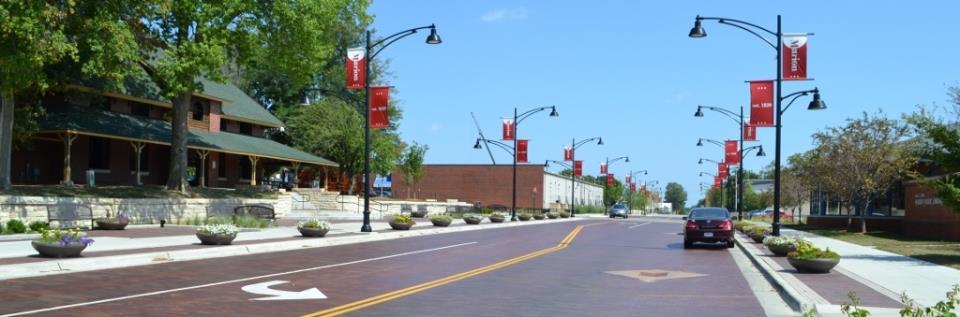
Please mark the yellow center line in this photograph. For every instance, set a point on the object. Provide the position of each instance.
(361, 304)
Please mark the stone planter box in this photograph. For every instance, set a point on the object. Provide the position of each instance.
(104, 224)
(539, 217)
(441, 222)
(215, 239)
(400, 226)
(813, 265)
(472, 221)
(553, 216)
(523, 217)
(782, 250)
(498, 219)
(55, 250)
(313, 232)
(564, 215)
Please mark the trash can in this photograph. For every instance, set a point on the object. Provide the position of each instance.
(91, 178)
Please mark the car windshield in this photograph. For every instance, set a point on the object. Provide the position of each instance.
(708, 214)
(619, 206)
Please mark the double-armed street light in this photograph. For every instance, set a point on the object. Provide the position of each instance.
(699, 32)
(574, 145)
(372, 49)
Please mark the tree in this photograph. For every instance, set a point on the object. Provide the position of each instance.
(942, 148)
(869, 154)
(412, 165)
(611, 194)
(676, 196)
(798, 179)
(32, 37)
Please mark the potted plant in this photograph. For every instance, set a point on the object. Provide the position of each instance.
(61, 243)
(313, 228)
(523, 217)
(441, 220)
(780, 246)
(758, 234)
(497, 217)
(472, 219)
(401, 222)
(553, 215)
(539, 216)
(808, 258)
(112, 223)
(219, 234)
(564, 214)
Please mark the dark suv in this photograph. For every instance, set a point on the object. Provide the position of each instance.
(709, 225)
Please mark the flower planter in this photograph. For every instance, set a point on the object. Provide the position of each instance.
(539, 217)
(55, 250)
(216, 239)
(564, 215)
(472, 221)
(441, 222)
(782, 250)
(523, 217)
(104, 224)
(758, 238)
(497, 219)
(553, 216)
(819, 265)
(418, 214)
(313, 232)
(400, 226)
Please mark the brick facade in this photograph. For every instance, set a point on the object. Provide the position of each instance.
(488, 184)
(926, 215)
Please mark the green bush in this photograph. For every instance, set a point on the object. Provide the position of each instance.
(248, 221)
(524, 217)
(781, 241)
(218, 220)
(441, 218)
(16, 226)
(758, 231)
(808, 251)
(564, 214)
(2, 231)
(589, 209)
(472, 217)
(403, 219)
(497, 215)
(38, 226)
(539, 216)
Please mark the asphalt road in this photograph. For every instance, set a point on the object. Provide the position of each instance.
(634, 267)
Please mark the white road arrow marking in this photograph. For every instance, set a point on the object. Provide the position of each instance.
(264, 289)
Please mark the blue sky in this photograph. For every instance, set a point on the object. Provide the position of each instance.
(626, 71)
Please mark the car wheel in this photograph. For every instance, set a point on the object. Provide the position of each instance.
(730, 244)
(611, 216)
(626, 216)
(687, 244)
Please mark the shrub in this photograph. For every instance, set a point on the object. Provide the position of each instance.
(564, 214)
(217, 220)
(218, 229)
(524, 217)
(780, 241)
(539, 216)
(16, 226)
(314, 224)
(808, 251)
(553, 215)
(441, 218)
(942, 308)
(472, 217)
(403, 219)
(248, 221)
(37, 226)
(758, 231)
(64, 237)
(497, 215)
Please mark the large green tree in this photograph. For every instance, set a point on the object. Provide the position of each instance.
(32, 37)
(676, 195)
(412, 164)
(942, 147)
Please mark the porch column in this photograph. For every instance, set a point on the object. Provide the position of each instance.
(138, 149)
(67, 139)
(253, 169)
(296, 176)
(203, 167)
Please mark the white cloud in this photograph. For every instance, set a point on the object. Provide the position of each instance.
(504, 14)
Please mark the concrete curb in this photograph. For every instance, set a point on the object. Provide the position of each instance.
(19, 237)
(787, 292)
(53, 267)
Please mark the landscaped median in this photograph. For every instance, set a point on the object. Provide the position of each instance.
(137, 257)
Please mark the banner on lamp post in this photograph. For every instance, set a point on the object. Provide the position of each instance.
(567, 153)
(722, 170)
(577, 168)
(761, 103)
(794, 57)
(716, 182)
(731, 155)
(610, 178)
(627, 179)
(521, 151)
(509, 131)
(379, 100)
(633, 188)
(603, 168)
(749, 132)
(356, 68)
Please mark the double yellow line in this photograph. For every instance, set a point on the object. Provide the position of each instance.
(361, 304)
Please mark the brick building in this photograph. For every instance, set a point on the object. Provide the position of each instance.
(491, 185)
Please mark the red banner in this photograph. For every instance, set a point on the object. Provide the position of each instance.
(722, 170)
(749, 132)
(603, 168)
(794, 57)
(633, 187)
(379, 99)
(731, 156)
(627, 179)
(761, 103)
(577, 168)
(567, 154)
(610, 178)
(356, 68)
(716, 182)
(508, 129)
(521, 151)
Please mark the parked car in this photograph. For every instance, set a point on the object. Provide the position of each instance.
(754, 213)
(619, 210)
(708, 225)
(784, 214)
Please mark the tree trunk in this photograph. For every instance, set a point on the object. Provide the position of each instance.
(6, 138)
(863, 217)
(350, 183)
(177, 179)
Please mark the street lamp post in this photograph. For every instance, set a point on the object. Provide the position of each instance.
(721, 183)
(573, 176)
(517, 118)
(626, 159)
(633, 174)
(739, 120)
(372, 49)
(698, 32)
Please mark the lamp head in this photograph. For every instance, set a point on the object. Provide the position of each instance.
(760, 152)
(600, 142)
(697, 31)
(816, 103)
(699, 112)
(433, 38)
(700, 142)
(644, 172)
(627, 160)
(477, 145)
(698, 162)
(546, 163)
(553, 111)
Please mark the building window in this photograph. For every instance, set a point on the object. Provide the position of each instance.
(139, 109)
(144, 160)
(246, 128)
(222, 168)
(245, 168)
(99, 154)
(197, 111)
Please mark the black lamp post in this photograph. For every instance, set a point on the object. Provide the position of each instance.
(573, 176)
(698, 32)
(626, 159)
(714, 175)
(740, 122)
(372, 50)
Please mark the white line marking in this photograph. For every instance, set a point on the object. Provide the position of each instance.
(640, 225)
(231, 281)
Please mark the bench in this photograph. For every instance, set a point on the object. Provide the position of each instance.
(259, 211)
(69, 216)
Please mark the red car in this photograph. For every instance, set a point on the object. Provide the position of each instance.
(710, 225)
